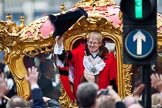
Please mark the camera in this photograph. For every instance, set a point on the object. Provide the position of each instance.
(104, 91)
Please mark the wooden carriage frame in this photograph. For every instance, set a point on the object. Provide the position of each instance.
(20, 41)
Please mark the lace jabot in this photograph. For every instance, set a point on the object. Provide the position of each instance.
(93, 65)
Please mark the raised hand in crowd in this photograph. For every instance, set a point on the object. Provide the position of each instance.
(138, 91)
(38, 100)
(156, 81)
(3, 86)
(32, 76)
(36, 93)
(113, 94)
(134, 101)
(109, 98)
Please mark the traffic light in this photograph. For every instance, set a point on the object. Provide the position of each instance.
(139, 31)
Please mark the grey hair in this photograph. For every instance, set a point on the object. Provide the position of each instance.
(86, 94)
(129, 100)
(16, 102)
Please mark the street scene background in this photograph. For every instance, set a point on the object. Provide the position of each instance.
(33, 9)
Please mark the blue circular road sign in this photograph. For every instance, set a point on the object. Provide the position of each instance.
(139, 43)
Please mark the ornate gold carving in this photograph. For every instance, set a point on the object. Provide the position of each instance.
(16, 44)
(159, 42)
(83, 26)
(159, 21)
(91, 23)
(91, 3)
(62, 7)
(159, 28)
(33, 29)
(22, 23)
(65, 101)
(127, 79)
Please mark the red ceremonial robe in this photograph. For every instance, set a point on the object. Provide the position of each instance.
(108, 73)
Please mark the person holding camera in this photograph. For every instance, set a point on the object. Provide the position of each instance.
(89, 96)
(109, 98)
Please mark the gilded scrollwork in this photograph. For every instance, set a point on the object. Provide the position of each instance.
(127, 78)
(91, 3)
(16, 43)
(34, 29)
(92, 23)
(65, 100)
(159, 22)
(159, 29)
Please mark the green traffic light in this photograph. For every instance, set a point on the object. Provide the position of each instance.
(138, 8)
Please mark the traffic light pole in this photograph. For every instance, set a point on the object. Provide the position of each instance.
(146, 94)
(140, 39)
(139, 31)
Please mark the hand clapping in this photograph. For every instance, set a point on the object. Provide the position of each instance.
(32, 75)
(156, 81)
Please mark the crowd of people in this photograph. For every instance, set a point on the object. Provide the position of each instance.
(88, 95)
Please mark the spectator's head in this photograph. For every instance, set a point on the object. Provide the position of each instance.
(86, 94)
(105, 101)
(16, 102)
(136, 105)
(47, 68)
(129, 100)
(155, 98)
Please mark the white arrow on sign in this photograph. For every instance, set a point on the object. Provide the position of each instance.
(139, 36)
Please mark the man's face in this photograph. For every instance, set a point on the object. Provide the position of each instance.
(93, 44)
